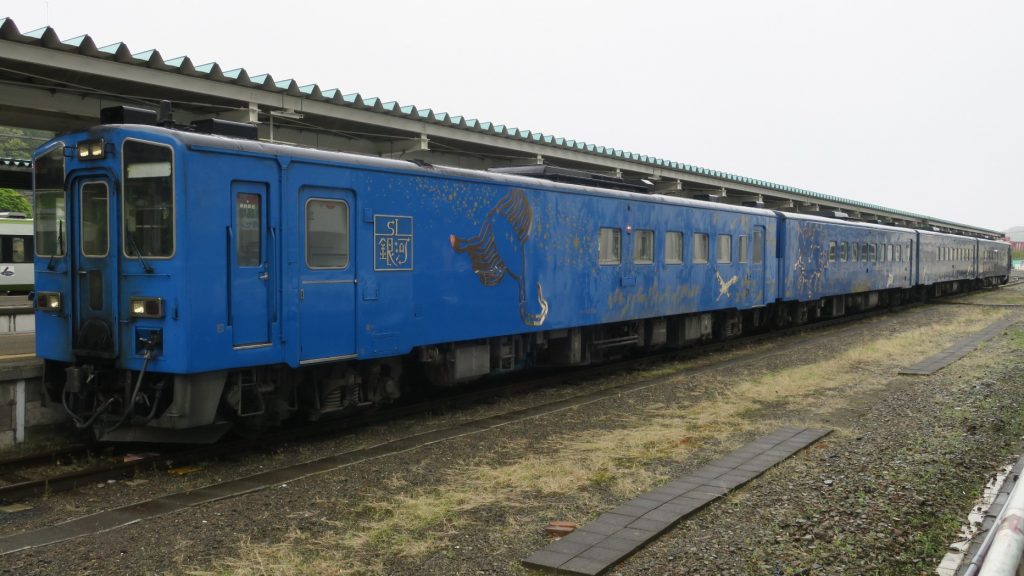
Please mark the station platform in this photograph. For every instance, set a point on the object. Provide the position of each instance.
(17, 347)
(24, 408)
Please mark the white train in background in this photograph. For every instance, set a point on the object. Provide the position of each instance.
(16, 253)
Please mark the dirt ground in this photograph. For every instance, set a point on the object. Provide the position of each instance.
(883, 494)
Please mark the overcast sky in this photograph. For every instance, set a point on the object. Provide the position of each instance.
(914, 105)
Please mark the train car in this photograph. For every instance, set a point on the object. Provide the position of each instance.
(827, 265)
(947, 262)
(16, 269)
(188, 281)
(993, 262)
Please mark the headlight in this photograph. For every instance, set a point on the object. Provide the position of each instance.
(143, 307)
(48, 301)
(91, 149)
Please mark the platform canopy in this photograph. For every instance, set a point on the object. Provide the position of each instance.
(60, 85)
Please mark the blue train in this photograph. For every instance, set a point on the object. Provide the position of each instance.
(188, 281)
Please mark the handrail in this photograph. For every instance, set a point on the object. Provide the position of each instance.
(1003, 556)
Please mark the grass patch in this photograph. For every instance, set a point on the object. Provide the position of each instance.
(616, 458)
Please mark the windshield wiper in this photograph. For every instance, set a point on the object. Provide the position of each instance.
(60, 244)
(131, 243)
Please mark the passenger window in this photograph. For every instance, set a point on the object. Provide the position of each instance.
(609, 246)
(758, 245)
(643, 247)
(843, 251)
(865, 252)
(832, 251)
(700, 248)
(249, 215)
(673, 248)
(326, 233)
(17, 249)
(891, 252)
(899, 253)
(743, 248)
(723, 252)
(854, 252)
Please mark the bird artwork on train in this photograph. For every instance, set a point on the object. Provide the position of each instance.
(499, 250)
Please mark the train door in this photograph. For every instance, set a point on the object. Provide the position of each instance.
(94, 274)
(250, 270)
(327, 291)
(757, 264)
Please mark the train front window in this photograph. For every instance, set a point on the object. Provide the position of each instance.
(148, 200)
(94, 213)
(51, 204)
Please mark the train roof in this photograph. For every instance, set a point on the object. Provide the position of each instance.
(202, 140)
(839, 222)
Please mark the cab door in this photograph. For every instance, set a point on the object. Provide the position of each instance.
(94, 274)
(327, 291)
(250, 270)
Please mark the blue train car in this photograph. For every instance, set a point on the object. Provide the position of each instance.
(827, 264)
(188, 281)
(993, 262)
(948, 263)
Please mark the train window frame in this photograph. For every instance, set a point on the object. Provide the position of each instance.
(672, 239)
(899, 252)
(854, 251)
(832, 251)
(758, 245)
(643, 247)
(609, 253)
(45, 191)
(131, 250)
(16, 250)
(248, 206)
(82, 219)
(346, 234)
(723, 256)
(743, 247)
(701, 248)
(844, 251)
(865, 252)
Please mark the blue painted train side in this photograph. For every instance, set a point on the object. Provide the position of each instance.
(824, 257)
(188, 281)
